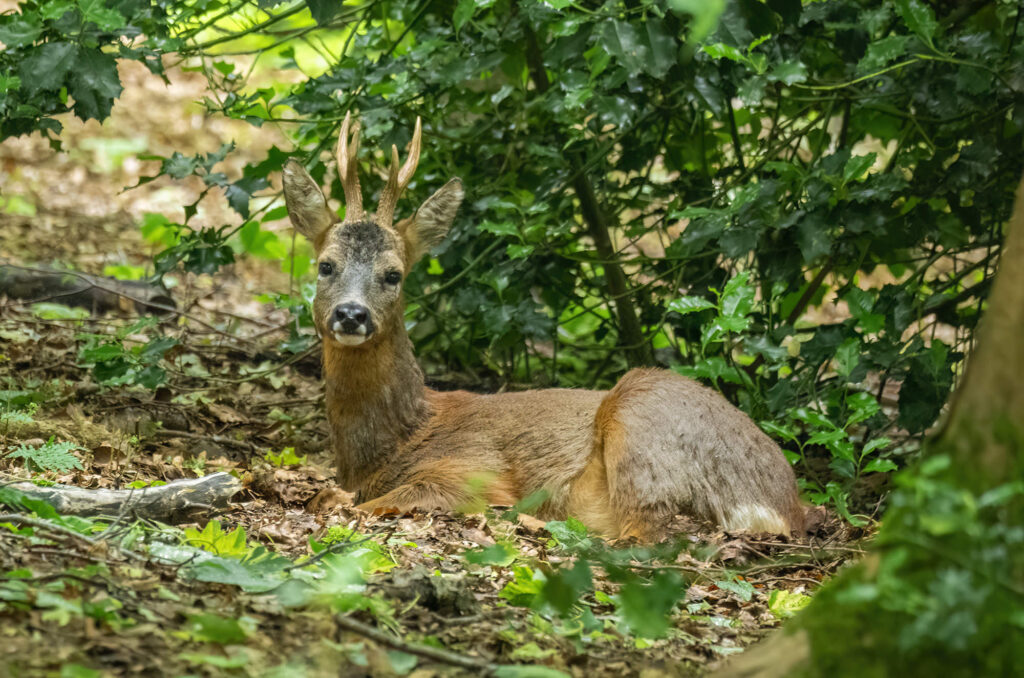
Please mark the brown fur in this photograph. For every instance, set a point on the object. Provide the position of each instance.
(622, 461)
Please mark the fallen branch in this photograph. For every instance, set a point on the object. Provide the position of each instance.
(178, 501)
(432, 653)
(72, 288)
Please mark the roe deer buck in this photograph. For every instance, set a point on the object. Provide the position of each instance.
(622, 461)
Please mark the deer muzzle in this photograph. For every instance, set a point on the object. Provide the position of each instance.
(352, 324)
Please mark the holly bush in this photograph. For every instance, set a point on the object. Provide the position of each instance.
(799, 202)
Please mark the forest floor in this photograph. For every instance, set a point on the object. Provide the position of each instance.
(275, 587)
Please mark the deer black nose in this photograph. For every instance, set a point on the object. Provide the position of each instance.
(351, 316)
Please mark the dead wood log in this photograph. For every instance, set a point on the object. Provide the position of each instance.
(179, 501)
(72, 288)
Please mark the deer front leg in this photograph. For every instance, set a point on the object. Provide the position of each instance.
(422, 496)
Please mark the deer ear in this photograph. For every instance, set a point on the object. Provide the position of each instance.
(432, 220)
(307, 206)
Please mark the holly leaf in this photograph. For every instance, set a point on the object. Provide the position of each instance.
(918, 17)
(788, 72)
(55, 9)
(881, 52)
(685, 305)
(94, 84)
(856, 166)
(663, 47)
(323, 10)
(463, 12)
(46, 66)
(96, 11)
(20, 30)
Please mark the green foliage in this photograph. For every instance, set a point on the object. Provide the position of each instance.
(784, 604)
(642, 606)
(50, 456)
(51, 311)
(116, 362)
(942, 594)
(214, 539)
(61, 56)
(286, 457)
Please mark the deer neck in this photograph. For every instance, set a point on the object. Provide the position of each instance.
(375, 402)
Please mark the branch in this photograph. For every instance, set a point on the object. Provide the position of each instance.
(479, 666)
(177, 501)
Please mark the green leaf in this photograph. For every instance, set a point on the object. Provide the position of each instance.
(212, 538)
(50, 456)
(402, 662)
(212, 628)
(788, 72)
(94, 84)
(96, 11)
(743, 589)
(879, 466)
(20, 30)
(46, 67)
(499, 228)
(47, 310)
(857, 165)
(918, 17)
(645, 606)
(55, 9)
(324, 11)
(500, 554)
(623, 42)
(847, 356)
(720, 50)
(784, 604)
(261, 243)
(685, 305)
(662, 45)
(738, 297)
(158, 229)
(463, 12)
(881, 52)
(571, 534)
(524, 588)
(565, 586)
(101, 353)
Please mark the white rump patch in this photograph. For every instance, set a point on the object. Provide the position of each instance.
(755, 518)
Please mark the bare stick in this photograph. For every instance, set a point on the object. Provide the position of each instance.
(176, 502)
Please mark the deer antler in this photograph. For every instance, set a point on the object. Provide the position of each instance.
(398, 179)
(348, 170)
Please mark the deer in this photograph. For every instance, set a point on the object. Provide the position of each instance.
(624, 462)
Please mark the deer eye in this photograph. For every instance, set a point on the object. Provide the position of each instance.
(392, 277)
(326, 268)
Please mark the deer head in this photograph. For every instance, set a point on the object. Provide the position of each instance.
(362, 261)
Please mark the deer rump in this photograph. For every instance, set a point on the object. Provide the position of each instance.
(624, 461)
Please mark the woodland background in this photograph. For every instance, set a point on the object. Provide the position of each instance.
(799, 203)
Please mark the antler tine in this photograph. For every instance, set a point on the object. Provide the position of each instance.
(398, 179)
(348, 169)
